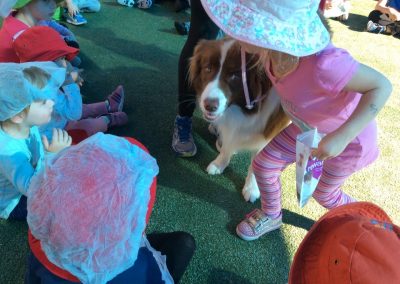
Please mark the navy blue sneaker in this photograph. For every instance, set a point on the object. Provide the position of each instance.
(182, 139)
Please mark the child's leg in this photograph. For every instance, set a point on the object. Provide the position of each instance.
(178, 247)
(328, 192)
(268, 166)
(90, 125)
(37, 273)
(19, 212)
(113, 103)
(375, 16)
(99, 124)
(89, 5)
(94, 110)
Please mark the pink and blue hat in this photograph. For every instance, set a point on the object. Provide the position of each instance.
(290, 26)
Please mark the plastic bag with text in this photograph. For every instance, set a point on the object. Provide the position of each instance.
(308, 169)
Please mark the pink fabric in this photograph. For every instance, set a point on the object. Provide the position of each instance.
(10, 27)
(281, 152)
(313, 96)
(94, 109)
(89, 125)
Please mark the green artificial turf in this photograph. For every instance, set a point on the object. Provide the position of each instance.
(140, 49)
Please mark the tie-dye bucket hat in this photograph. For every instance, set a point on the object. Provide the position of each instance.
(290, 26)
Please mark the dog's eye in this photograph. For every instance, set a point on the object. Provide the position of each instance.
(207, 68)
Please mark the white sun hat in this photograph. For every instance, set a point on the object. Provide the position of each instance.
(290, 26)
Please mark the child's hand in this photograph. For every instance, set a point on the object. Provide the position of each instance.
(330, 146)
(76, 76)
(72, 9)
(60, 140)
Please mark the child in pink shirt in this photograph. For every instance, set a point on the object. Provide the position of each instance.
(320, 86)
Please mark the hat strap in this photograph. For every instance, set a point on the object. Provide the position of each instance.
(249, 104)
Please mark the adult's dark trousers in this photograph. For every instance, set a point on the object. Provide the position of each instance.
(201, 27)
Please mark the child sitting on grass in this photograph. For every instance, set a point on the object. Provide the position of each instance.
(26, 93)
(107, 185)
(44, 44)
(72, 9)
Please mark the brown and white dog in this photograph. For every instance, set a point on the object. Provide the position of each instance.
(215, 73)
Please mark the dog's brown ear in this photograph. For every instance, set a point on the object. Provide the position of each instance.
(195, 64)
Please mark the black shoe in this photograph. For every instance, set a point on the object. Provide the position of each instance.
(394, 29)
(72, 43)
(182, 27)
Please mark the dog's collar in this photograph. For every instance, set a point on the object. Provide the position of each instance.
(249, 104)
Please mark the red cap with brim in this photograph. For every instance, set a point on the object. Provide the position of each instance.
(42, 43)
(353, 243)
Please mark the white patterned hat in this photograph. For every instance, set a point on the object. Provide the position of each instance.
(290, 26)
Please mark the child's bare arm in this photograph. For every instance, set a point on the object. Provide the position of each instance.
(72, 8)
(375, 89)
(381, 6)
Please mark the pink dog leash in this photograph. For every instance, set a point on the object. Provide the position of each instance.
(249, 104)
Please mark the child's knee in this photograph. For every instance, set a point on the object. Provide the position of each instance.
(333, 199)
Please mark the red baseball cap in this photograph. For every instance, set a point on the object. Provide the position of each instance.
(42, 43)
(353, 243)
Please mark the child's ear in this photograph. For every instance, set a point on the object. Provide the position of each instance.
(19, 118)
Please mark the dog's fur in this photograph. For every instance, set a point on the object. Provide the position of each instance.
(215, 73)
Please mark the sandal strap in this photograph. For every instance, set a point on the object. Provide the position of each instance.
(256, 220)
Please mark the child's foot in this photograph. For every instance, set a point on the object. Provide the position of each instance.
(375, 28)
(115, 101)
(116, 119)
(144, 4)
(257, 224)
(76, 20)
(128, 3)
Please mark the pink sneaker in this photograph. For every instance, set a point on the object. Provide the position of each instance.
(257, 224)
(117, 119)
(116, 100)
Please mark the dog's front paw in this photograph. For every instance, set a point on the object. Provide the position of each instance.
(250, 190)
(251, 194)
(213, 169)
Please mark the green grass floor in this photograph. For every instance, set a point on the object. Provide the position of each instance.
(140, 49)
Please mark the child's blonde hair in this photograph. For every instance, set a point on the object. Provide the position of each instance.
(36, 76)
(283, 63)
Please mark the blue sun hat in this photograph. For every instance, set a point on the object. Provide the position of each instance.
(17, 93)
(289, 26)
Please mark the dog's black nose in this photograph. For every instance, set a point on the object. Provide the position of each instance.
(211, 105)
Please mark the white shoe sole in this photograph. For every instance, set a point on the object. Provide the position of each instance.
(249, 238)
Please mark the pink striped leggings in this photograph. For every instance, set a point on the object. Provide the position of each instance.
(281, 152)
